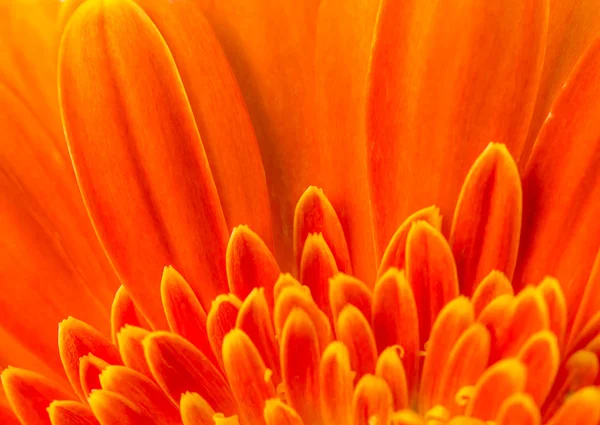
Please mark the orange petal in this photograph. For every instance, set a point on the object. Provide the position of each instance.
(90, 368)
(336, 380)
(354, 331)
(557, 307)
(423, 70)
(151, 151)
(395, 321)
(541, 356)
(395, 252)
(220, 320)
(519, 409)
(372, 401)
(454, 319)
(7, 415)
(183, 311)
(285, 280)
(178, 367)
(344, 290)
(250, 264)
(487, 220)
(248, 376)
(317, 266)
(561, 189)
(499, 382)
(195, 410)
(581, 408)
(29, 394)
(315, 214)
(431, 272)
(278, 413)
(300, 368)
(254, 319)
(589, 306)
(132, 351)
(64, 412)
(144, 393)
(492, 286)
(114, 409)
(123, 312)
(406, 417)
(77, 339)
(390, 368)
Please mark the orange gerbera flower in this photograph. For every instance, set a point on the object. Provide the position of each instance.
(190, 120)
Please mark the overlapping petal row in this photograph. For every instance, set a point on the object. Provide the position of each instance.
(434, 341)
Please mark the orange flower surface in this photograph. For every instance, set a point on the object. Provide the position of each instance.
(314, 212)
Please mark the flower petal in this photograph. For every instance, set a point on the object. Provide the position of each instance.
(372, 401)
(390, 368)
(491, 287)
(90, 368)
(344, 290)
(519, 409)
(278, 413)
(541, 356)
(195, 410)
(336, 378)
(132, 350)
(63, 412)
(581, 408)
(354, 331)
(220, 320)
(557, 307)
(590, 304)
(114, 409)
(123, 312)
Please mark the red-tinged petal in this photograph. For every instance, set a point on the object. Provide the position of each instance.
(283, 282)
(132, 350)
(581, 408)
(395, 321)
(354, 331)
(406, 417)
(337, 382)
(123, 312)
(183, 311)
(557, 307)
(250, 264)
(143, 392)
(77, 339)
(492, 286)
(146, 144)
(519, 409)
(63, 412)
(315, 214)
(344, 290)
(254, 318)
(454, 319)
(317, 266)
(278, 413)
(8, 417)
(90, 368)
(391, 370)
(487, 219)
(195, 410)
(29, 395)
(468, 360)
(581, 339)
(589, 306)
(299, 298)
(431, 272)
(178, 367)
(572, 26)
(248, 376)
(114, 409)
(395, 251)
(427, 85)
(541, 356)
(219, 111)
(300, 358)
(372, 401)
(561, 189)
(499, 382)
(220, 320)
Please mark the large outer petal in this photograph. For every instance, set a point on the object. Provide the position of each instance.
(446, 78)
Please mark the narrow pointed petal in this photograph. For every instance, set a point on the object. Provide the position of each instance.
(390, 368)
(315, 214)
(29, 394)
(446, 96)
(431, 272)
(285, 280)
(344, 290)
(300, 368)
(581, 408)
(337, 382)
(183, 311)
(454, 319)
(498, 383)
(317, 266)
(77, 339)
(519, 409)
(278, 413)
(65, 412)
(90, 368)
(395, 321)
(220, 320)
(561, 188)
(557, 307)
(132, 349)
(492, 286)
(247, 375)
(250, 264)
(541, 356)
(590, 303)
(487, 219)
(152, 150)
(372, 401)
(144, 393)
(178, 367)
(123, 312)
(254, 318)
(195, 410)
(354, 331)
(114, 409)
(395, 251)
